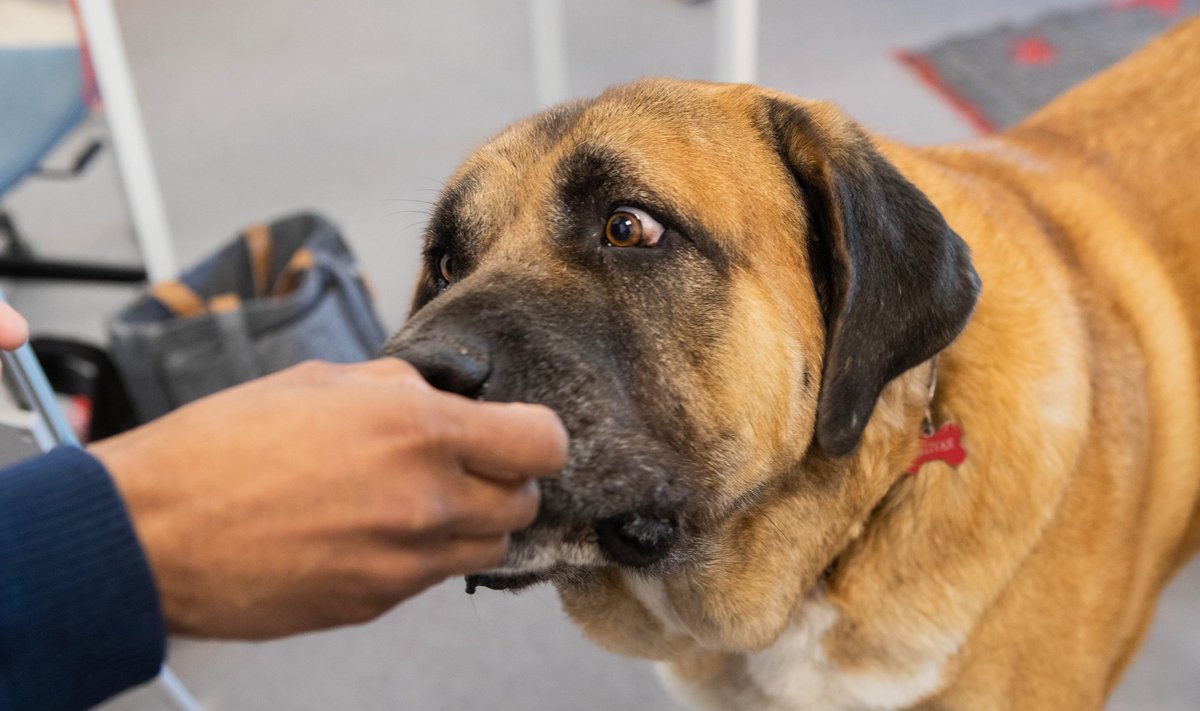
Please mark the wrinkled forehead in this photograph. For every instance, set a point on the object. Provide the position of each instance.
(685, 148)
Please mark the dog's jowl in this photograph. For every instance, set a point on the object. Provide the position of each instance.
(748, 313)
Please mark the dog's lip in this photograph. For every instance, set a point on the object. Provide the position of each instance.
(517, 575)
(503, 581)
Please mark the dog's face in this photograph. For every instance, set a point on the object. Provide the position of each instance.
(711, 285)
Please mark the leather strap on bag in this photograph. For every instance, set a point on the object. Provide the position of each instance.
(302, 260)
(258, 246)
(178, 298)
(224, 303)
(183, 302)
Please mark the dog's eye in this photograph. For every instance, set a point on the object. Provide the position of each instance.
(446, 269)
(631, 227)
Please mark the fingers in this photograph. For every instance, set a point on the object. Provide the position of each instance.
(14, 331)
(372, 581)
(502, 441)
(456, 506)
(482, 507)
(405, 571)
(461, 556)
(388, 369)
(506, 441)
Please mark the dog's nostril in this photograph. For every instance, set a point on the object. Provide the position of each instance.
(635, 539)
(452, 365)
(460, 374)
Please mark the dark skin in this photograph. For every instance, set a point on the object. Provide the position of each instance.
(322, 495)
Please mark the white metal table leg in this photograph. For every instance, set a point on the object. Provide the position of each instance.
(549, 51)
(737, 40)
(128, 138)
(176, 692)
(138, 178)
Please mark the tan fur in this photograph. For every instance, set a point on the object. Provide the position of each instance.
(1076, 385)
(1025, 578)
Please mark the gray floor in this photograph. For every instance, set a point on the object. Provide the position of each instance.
(359, 108)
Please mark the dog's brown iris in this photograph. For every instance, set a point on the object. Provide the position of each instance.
(446, 268)
(624, 229)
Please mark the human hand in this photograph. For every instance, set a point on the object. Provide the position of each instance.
(325, 494)
(13, 329)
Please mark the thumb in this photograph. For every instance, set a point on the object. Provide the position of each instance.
(14, 331)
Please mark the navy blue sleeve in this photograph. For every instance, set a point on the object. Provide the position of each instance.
(79, 614)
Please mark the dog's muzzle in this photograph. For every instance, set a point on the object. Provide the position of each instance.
(627, 529)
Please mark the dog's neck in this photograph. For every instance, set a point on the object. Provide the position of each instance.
(769, 532)
(929, 424)
(846, 618)
(806, 610)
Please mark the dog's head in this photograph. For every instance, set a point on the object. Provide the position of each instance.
(711, 284)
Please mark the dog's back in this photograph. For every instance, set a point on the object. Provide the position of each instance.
(1096, 195)
(1111, 168)
(1138, 125)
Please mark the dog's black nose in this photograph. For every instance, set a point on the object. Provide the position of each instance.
(459, 365)
(635, 539)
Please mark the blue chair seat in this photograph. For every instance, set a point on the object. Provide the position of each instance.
(41, 100)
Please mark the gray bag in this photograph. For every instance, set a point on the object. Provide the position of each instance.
(277, 295)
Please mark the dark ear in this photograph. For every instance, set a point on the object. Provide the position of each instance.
(895, 282)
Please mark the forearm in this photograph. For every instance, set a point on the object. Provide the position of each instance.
(79, 614)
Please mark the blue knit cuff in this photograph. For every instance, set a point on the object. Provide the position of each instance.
(79, 613)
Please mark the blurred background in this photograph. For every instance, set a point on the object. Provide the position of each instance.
(359, 109)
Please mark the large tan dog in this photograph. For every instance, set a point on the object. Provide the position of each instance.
(736, 301)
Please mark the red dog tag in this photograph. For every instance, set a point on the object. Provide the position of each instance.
(945, 445)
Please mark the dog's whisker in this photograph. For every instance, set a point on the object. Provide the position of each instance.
(422, 213)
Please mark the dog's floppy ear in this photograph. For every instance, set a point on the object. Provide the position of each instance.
(895, 282)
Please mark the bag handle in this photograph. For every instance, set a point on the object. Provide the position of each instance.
(302, 260)
(224, 303)
(178, 298)
(181, 300)
(258, 246)
(354, 289)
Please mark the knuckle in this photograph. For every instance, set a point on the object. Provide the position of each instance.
(403, 368)
(396, 369)
(434, 429)
(525, 506)
(414, 436)
(314, 371)
(431, 514)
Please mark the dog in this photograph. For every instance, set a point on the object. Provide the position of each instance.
(751, 315)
